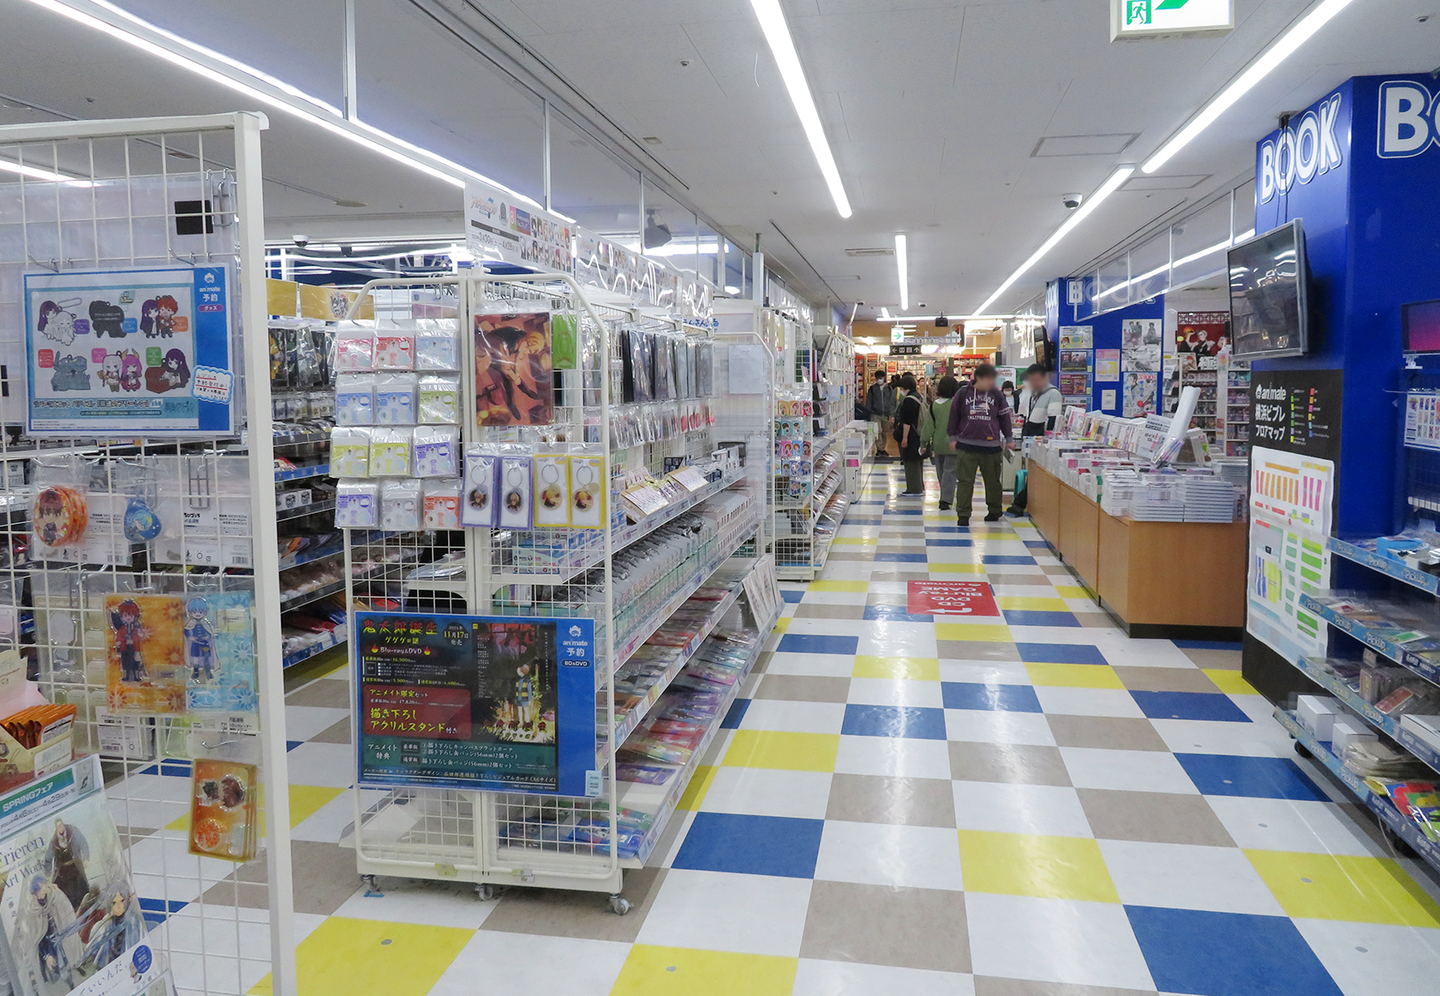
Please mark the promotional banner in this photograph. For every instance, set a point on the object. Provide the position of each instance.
(129, 352)
(477, 702)
(498, 228)
(950, 598)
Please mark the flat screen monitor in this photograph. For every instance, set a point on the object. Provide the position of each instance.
(1269, 314)
(1420, 323)
(1042, 347)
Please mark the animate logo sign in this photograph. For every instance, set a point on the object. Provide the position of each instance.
(1301, 151)
(1407, 120)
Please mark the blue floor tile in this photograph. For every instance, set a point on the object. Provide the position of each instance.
(861, 520)
(1227, 954)
(950, 542)
(1036, 617)
(174, 769)
(751, 845)
(736, 715)
(1206, 645)
(977, 695)
(998, 559)
(1250, 777)
(1037, 544)
(904, 511)
(1189, 705)
(292, 744)
(900, 558)
(791, 595)
(908, 722)
(816, 643)
(1060, 653)
(894, 613)
(944, 529)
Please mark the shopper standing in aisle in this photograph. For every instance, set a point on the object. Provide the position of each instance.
(878, 400)
(1041, 407)
(910, 430)
(980, 430)
(942, 453)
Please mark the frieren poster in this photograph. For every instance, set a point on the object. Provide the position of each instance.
(477, 702)
(129, 352)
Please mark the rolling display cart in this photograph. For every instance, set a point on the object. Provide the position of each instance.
(599, 590)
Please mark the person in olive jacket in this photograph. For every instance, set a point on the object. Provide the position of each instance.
(980, 429)
(942, 452)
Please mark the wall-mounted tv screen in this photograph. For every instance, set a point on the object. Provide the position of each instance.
(1420, 323)
(1269, 314)
(1042, 347)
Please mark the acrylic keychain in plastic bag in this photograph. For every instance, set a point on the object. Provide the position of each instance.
(437, 345)
(391, 452)
(437, 450)
(60, 511)
(479, 487)
(587, 490)
(516, 487)
(357, 504)
(137, 480)
(395, 399)
(350, 451)
(400, 505)
(441, 504)
(354, 348)
(439, 400)
(552, 480)
(394, 349)
(355, 399)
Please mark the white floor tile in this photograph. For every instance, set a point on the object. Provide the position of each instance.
(830, 627)
(1126, 770)
(1054, 940)
(894, 756)
(331, 765)
(985, 672)
(721, 911)
(1307, 826)
(794, 717)
(814, 977)
(438, 904)
(1088, 701)
(896, 692)
(1372, 959)
(885, 854)
(304, 722)
(998, 727)
(1265, 738)
(328, 823)
(525, 964)
(768, 792)
(815, 665)
(896, 639)
(1187, 877)
(1052, 810)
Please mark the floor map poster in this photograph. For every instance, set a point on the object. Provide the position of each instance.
(1290, 503)
(477, 702)
(126, 352)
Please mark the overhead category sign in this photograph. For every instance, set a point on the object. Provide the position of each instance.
(1149, 18)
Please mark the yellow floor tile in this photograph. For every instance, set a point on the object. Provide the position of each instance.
(656, 971)
(917, 668)
(1074, 675)
(1071, 591)
(855, 541)
(1032, 603)
(785, 751)
(345, 956)
(972, 631)
(839, 585)
(699, 785)
(782, 624)
(1229, 682)
(1345, 887)
(1019, 864)
(951, 567)
(305, 800)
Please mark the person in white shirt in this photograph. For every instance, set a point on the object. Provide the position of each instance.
(1039, 411)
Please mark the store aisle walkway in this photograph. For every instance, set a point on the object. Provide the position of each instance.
(1022, 804)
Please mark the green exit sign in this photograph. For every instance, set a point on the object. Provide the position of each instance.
(1152, 18)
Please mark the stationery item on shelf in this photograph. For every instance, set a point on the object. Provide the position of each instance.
(350, 451)
(400, 505)
(437, 451)
(355, 399)
(354, 349)
(441, 504)
(1317, 713)
(1419, 802)
(513, 381)
(395, 399)
(437, 347)
(639, 361)
(394, 350)
(587, 492)
(516, 486)
(391, 452)
(480, 507)
(357, 504)
(552, 481)
(60, 515)
(1344, 732)
(643, 774)
(439, 399)
(223, 809)
(1374, 759)
(1423, 727)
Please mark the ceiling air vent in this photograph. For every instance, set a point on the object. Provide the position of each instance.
(871, 251)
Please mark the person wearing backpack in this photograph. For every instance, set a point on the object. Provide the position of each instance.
(981, 431)
(942, 453)
(1041, 407)
(909, 432)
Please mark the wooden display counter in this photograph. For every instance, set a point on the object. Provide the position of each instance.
(1158, 579)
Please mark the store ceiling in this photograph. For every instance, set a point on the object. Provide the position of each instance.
(954, 122)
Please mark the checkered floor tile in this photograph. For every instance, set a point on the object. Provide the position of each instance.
(1022, 804)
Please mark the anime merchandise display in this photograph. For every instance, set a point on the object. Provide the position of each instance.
(552, 479)
(223, 809)
(69, 912)
(441, 505)
(513, 381)
(437, 451)
(357, 504)
(171, 654)
(587, 492)
(400, 505)
(639, 362)
(516, 486)
(479, 506)
(129, 352)
(395, 400)
(60, 515)
(439, 400)
(437, 344)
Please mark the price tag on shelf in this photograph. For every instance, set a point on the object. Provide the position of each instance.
(761, 589)
(690, 478)
(642, 500)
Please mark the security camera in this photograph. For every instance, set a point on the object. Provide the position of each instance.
(301, 240)
(1071, 201)
(860, 303)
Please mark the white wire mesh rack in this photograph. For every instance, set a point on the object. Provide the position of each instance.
(114, 195)
(629, 577)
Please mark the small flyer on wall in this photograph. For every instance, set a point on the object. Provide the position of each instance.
(513, 370)
(129, 352)
(1107, 364)
(1140, 394)
(1074, 359)
(477, 702)
(1076, 336)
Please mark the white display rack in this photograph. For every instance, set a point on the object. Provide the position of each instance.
(712, 536)
(150, 194)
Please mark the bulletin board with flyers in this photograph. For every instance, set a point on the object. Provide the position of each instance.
(130, 283)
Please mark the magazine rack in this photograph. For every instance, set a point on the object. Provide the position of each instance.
(485, 826)
(181, 193)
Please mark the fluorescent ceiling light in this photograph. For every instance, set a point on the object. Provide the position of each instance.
(675, 248)
(1299, 33)
(1090, 203)
(782, 47)
(35, 173)
(885, 315)
(731, 289)
(902, 269)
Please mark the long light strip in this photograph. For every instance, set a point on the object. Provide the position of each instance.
(34, 172)
(1182, 261)
(782, 47)
(1283, 48)
(1087, 206)
(902, 270)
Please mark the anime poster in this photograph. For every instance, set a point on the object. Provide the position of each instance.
(69, 911)
(1140, 343)
(1140, 394)
(125, 352)
(514, 384)
(1202, 333)
(167, 654)
(479, 702)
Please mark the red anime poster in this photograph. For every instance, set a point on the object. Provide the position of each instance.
(1203, 333)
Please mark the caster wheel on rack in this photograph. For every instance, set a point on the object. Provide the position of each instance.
(486, 891)
(1397, 843)
(371, 882)
(619, 905)
(1302, 750)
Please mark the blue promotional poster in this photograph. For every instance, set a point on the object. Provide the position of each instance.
(124, 352)
(477, 702)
